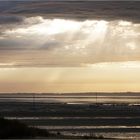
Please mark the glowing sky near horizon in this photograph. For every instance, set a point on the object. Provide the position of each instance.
(61, 55)
(102, 77)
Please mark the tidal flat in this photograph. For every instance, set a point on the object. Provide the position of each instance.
(110, 120)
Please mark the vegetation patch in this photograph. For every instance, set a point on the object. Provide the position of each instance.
(16, 129)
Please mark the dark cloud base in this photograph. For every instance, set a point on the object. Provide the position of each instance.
(109, 10)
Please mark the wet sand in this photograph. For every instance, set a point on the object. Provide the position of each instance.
(110, 120)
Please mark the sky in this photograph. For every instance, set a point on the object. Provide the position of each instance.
(53, 46)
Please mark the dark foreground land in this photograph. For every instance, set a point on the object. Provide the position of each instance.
(102, 120)
(13, 129)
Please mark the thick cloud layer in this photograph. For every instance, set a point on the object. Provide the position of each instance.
(107, 10)
(60, 42)
(69, 46)
(60, 34)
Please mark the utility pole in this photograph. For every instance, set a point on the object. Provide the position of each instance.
(33, 101)
(96, 97)
(33, 109)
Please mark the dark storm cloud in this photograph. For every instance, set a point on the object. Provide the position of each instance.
(9, 19)
(109, 10)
